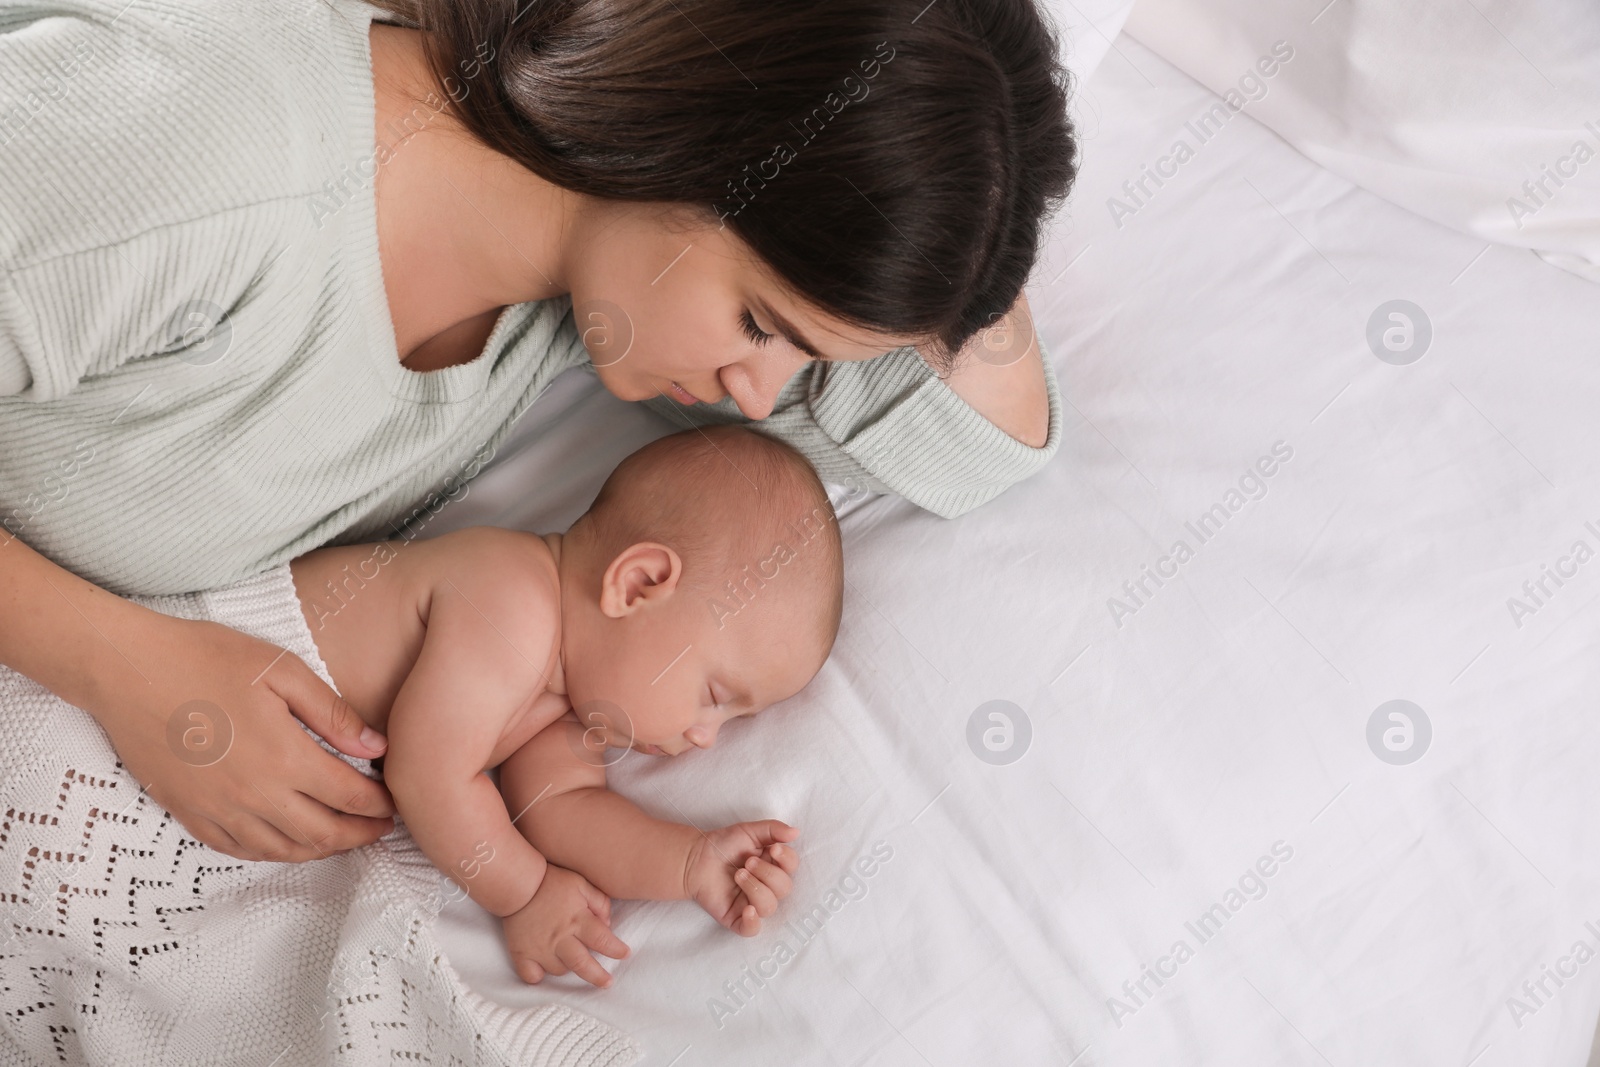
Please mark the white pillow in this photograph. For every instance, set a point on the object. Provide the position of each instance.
(1481, 115)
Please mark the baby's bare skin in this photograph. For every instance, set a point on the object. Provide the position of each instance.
(453, 648)
(367, 606)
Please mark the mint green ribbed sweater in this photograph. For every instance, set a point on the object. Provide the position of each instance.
(198, 372)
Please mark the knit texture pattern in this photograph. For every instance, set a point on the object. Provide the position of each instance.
(125, 942)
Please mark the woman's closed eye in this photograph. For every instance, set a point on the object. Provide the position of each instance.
(751, 330)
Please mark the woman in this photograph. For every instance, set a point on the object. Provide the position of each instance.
(276, 273)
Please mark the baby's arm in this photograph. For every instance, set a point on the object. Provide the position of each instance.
(487, 643)
(737, 873)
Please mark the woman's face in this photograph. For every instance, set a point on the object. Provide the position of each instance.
(684, 309)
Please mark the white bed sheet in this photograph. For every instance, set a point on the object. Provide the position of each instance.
(1227, 714)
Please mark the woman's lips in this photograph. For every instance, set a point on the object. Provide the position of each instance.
(682, 395)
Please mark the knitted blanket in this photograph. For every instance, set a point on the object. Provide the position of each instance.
(124, 942)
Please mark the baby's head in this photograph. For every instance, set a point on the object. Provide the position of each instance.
(705, 582)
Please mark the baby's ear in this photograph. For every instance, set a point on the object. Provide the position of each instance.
(646, 572)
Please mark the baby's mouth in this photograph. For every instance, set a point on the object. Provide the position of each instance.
(682, 395)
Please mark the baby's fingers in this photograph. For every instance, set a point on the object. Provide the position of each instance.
(598, 902)
(769, 830)
(580, 963)
(748, 923)
(784, 856)
(598, 937)
(771, 875)
(756, 891)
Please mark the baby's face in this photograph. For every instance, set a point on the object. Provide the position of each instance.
(669, 673)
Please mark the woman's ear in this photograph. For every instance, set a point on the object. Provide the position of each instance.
(646, 572)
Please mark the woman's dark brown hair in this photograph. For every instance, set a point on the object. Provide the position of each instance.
(893, 161)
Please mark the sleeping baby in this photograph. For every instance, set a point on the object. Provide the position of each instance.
(704, 583)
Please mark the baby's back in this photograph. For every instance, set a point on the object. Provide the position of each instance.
(367, 604)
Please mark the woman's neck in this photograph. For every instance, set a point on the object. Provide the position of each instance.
(462, 229)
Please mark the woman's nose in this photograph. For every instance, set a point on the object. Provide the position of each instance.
(754, 383)
(755, 397)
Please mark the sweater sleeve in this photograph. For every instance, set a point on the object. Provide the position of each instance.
(43, 51)
(68, 70)
(125, 230)
(15, 374)
(890, 425)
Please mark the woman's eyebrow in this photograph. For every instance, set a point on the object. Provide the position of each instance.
(789, 332)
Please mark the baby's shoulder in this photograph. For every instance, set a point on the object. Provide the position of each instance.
(509, 562)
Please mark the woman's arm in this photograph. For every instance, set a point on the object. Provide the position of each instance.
(275, 794)
(1000, 374)
(891, 424)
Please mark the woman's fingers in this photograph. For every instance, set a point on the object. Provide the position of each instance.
(324, 831)
(354, 810)
(267, 843)
(337, 785)
(325, 828)
(311, 799)
(324, 711)
(217, 839)
(244, 776)
(302, 808)
(340, 786)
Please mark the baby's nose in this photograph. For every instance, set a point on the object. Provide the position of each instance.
(701, 736)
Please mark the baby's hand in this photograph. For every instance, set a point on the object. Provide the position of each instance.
(740, 872)
(556, 930)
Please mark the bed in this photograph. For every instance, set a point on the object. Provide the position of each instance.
(1318, 790)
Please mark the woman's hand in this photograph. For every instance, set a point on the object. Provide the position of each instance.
(203, 716)
(213, 738)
